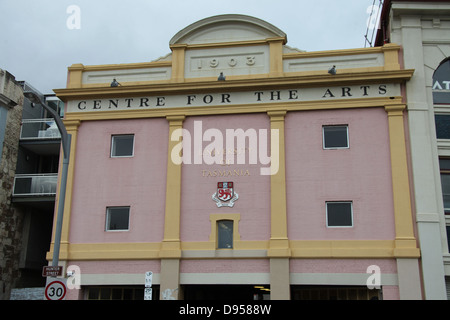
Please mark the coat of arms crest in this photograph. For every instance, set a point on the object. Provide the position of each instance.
(225, 195)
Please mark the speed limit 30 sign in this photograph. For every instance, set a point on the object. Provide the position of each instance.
(55, 290)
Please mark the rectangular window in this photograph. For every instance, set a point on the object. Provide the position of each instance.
(442, 122)
(117, 218)
(445, 182)
(335, 137)
(225, 234)
(122, 145)
(339, 214)
(444, 165)
(447, 228)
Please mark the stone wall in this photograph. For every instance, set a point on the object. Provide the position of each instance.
(10, 217)
(27, 294)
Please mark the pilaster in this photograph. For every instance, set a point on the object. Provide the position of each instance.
(405, 248)
(72, 129)
(170, 247)
(279, 243)
(276, 57)
(74, 78)
(178, 58)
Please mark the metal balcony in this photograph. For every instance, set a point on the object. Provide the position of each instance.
(39, 129)
(34, 185)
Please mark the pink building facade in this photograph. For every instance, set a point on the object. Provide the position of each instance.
(281, 182)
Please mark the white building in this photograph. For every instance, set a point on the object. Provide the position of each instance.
(422, 28)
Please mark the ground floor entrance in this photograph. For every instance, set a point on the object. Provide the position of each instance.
(334, 293)
(236, 292)
(226, 292)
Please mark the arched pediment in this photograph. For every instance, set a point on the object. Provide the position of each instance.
(227, 28)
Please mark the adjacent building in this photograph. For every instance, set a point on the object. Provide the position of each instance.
(29, 146)
(237, 166)
(422, 28)
(34, 188)
(11, 103)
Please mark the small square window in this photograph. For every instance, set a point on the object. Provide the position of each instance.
(339, 214)
(117, 218)
(335, 137)
(122, 145)
(225, 234)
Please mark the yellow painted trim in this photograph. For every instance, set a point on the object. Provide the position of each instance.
(390, 51)
(178, 61)
(229, 44)
(75, 72)
(128, 84)
(342, 71)
(309, 73)
(211, 245)
(342, 52)
(111, 251)
(279, 243)
(170, 247)
(243, 77)
(350, 249)
(235, 109)
(249, 84)
(75, 76)
(331, 53)
(72, 129)
(199, 245)
(313, 249)
(214, 218)
(391, 56)
(276, 57)
(404, 231)
(127, 66)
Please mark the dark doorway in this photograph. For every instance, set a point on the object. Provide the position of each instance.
(226, 292)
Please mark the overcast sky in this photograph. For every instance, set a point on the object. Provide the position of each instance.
(37, 46)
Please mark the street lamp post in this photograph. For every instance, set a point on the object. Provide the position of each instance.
(65, 140)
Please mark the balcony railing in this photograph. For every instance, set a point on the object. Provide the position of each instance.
(33, 129)
(35, 184)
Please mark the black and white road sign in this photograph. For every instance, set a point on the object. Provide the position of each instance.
(148, 293)
(148, 285)
(148, 279)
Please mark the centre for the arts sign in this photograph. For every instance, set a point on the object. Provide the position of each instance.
(235, 98)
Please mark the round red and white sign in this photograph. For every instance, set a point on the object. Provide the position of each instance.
(55, 290)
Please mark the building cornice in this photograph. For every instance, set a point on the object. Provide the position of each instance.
(212, 85)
